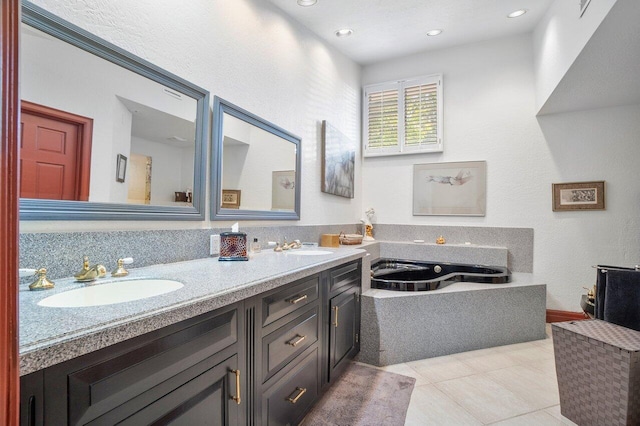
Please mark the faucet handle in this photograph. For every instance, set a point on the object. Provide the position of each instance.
(24, 272)
(120, 271)
(41, 283)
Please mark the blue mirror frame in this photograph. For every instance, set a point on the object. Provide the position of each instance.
(40, 209)
(220, 107)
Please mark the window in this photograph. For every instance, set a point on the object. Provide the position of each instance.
(403, 117)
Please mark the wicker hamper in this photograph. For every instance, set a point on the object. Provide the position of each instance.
(598, 369)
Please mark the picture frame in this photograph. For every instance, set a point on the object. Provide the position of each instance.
(283, 190)
(121, 168)
(231, 198)
(573, 196)
(338, 162)
(450, 189)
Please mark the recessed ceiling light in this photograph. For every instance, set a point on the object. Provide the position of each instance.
(434, 33)
(307, 2)
(345, 32)
(517, 13)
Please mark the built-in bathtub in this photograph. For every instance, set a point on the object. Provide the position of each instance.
(409, 275)
(460, 315)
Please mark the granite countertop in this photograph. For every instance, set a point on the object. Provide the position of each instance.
(52, 335)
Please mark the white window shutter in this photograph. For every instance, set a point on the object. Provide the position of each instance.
(421, 115)
(403, 117)
(382, 119)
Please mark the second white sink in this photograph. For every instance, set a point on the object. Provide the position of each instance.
(111, 293)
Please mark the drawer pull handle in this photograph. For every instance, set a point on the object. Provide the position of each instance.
(301, 391)
(297, 299)
(335, 308)
(237, 398)
(295, 342)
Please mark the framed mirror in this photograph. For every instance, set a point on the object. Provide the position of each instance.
(105, 134)
(255, 167)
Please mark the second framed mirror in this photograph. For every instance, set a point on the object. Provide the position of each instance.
(255, 167)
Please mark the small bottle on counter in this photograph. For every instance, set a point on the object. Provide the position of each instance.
(255, 246)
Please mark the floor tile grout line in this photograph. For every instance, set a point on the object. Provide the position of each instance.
(526, 414)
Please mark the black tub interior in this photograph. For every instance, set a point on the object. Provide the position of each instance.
(408, 275)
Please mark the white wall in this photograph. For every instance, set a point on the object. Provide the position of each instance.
(558, 40)
(245, 51)
(490, 114)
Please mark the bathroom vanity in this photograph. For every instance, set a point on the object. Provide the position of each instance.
(242, 343)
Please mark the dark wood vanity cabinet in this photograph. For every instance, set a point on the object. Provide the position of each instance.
(263, 361)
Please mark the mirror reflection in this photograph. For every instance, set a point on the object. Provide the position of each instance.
(259, 164)
(257, 167)
(95, 131)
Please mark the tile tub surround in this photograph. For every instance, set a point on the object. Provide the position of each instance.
(61, 252)
(518, 241)
(399, 327)
(52, 335)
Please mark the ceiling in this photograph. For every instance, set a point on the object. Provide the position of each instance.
(386, 29)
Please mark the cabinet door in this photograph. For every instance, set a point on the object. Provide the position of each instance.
(123, 380)
(32, 399)
(344, 329)
(211, 398)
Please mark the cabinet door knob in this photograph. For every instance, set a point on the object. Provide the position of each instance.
(298, 299)
(237, 398)
(335, 308)
(296, 340)
(293, 399)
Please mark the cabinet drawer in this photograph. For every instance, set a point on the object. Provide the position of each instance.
(277, 305)
(287, 342)
(343, 277)
(289, 399)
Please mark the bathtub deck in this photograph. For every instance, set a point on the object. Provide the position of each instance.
(407, 326)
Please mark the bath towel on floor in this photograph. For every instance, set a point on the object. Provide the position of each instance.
(622, 298)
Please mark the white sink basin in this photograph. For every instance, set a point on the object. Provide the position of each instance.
(110, 293)
(309, 252)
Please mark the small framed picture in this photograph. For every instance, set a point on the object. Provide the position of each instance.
(230, 199)
(578, 196)
(121, 168)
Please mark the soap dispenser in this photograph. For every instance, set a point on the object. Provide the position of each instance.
(255, 246)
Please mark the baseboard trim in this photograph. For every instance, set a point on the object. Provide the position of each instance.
(560, 316)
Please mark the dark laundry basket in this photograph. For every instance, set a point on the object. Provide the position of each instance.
(598, 369)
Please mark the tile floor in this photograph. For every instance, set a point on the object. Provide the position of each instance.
(506, 385)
